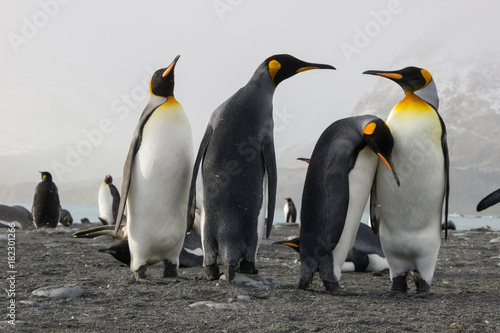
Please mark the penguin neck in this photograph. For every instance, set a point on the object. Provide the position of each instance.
(412, 103)
(159, 100)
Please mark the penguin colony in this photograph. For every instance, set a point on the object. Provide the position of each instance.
(355, 159)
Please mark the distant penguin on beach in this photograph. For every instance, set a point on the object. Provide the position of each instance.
(290, 211)
(109, 200)
(46, 209)
(66, 218)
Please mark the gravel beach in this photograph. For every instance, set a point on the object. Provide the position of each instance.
(465, 295)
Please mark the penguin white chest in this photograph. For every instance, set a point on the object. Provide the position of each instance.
(105, 200)
(161, 173)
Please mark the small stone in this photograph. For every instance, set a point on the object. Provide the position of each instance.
(66, 291)
(3, 237)
(495, 240)
(243, 297)
(32, 303)
(210, 304)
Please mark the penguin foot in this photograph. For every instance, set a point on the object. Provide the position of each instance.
(170, 269)
(212, 272)
(247, 267)
(230, 272)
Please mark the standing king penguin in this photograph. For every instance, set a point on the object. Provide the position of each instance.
(408, 218)
(290, 211)
(238, 162)
(46, 209)
(156, 180)
(109, 200)
(338, 182)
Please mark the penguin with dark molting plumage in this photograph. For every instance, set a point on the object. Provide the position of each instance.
(46, 209)
(336, 190)
(156, 179)
(290, 211)
(109, 200)
(408, 218)
(239, 162)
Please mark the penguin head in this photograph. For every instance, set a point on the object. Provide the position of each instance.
(46, 175)
(293, 243)
(288, 199)
(378, 137)
(284, 66)
(162, 82)
(413, 80)
(108, 179)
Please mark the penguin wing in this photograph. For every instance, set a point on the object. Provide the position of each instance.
(444, 146)
(129, 162)
(116, 199)
(374, 210)
(192, 190)
(489, 200)
(272, 182)
(337, 190)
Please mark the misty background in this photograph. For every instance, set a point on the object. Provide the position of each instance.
(74, 78)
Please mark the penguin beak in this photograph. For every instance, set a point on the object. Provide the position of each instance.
(389, 164)
(386, 74)
(171, 67)
(310, 66)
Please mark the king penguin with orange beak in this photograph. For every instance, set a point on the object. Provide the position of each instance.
(408, 217)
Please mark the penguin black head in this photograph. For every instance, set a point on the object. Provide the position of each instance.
(108, 179)
(284, 66)
(46, 176)
(288, 199)
(379, 138)
(415, 80)
(162, 82)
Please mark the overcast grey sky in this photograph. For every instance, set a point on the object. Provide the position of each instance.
(74, 74)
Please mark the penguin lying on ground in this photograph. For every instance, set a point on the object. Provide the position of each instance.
(66, 218)
(156, 179)
(20, 216)
(365, 256)
(46, 209)
(408, 218)
(338, 182)
(239, 162)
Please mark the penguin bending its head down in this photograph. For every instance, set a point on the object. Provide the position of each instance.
(46, 209)
(336, 190)
(238, 164)
(408, 218)
(156, 180)
(290, 211)
(109, 200)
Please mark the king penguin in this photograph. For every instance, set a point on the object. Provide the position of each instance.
(238, 164)
(46, 209)
(290, 211)
(408, 217)
(156, 180)
(338, 182)
(109, 200)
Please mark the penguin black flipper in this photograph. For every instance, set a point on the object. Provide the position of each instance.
(444, 145)
(374, 211)
(272, 182)
(127, 170)
(192, 191)
(116, 199)
(489, 200)
(337, 189)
